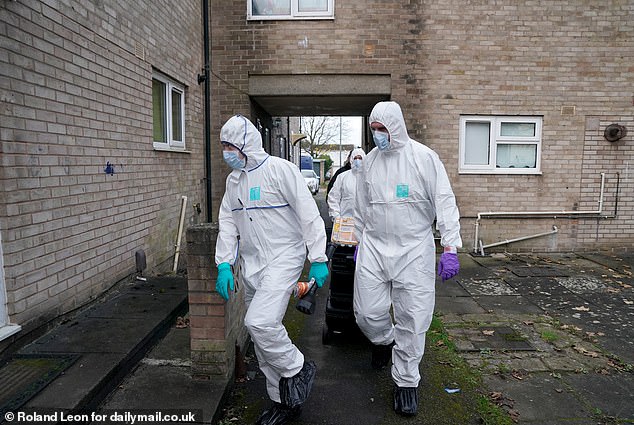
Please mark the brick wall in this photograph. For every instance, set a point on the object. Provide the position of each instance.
(75, 83)
(565, 61)
(216, 326)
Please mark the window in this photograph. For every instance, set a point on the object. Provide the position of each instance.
(500, 145)
(168, 113)
(290, 9)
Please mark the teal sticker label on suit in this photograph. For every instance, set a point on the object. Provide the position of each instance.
(254, 193)
(402, 190)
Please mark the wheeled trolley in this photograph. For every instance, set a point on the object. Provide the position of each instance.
(339, 310)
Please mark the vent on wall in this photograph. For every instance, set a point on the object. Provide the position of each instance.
(139, 50)
(568, 110)
(614, 132)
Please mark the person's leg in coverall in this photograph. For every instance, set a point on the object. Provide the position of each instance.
(403, 189)
(267, 295)
(411, 294)
(267, 221)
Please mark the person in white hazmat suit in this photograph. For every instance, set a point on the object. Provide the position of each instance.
(341, 197)
(403, 188)
(267, 221)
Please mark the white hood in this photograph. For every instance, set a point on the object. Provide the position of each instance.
(241, 133)
(390, 115)
(357, 152)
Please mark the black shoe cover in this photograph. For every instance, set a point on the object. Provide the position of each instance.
(278, 414)
(406, 400)
(295, 390)
(381, 355)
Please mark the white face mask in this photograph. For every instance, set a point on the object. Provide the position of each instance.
(381, 139)
(233, 159)
(357, 164)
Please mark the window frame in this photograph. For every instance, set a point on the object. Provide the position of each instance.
(295, 14)
(171, 86)
(495, 139)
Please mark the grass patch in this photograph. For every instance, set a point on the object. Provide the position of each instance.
(549, 336)
(514, 336)
(450, 369)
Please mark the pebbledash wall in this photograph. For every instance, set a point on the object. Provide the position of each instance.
(570, 62)
(76, 91)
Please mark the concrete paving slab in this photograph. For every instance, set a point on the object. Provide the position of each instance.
(536, 286)
(461, 305)
(582, 284)
(559, 304)
(487, 287)
(450, 288)
(511, 304)
(136, 305)
(621, 262)
(168, 389)
(538, 271)
(80, 380)
(111, 336)
(540, 398)
(94, 335)
(612, 394)
(473, 268)
(494, 337)
(175, 346)
(494, 261)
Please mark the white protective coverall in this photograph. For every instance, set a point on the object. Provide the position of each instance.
(400, 192)
(341, 197)
(267, 219)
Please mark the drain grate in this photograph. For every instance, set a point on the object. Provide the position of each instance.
(24, 375)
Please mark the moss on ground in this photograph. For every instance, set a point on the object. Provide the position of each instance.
(442, 368)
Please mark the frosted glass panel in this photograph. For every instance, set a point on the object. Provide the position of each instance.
(477, 143)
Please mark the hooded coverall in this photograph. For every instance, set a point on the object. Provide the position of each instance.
(267, 219)
(342, 194)
(399, 193)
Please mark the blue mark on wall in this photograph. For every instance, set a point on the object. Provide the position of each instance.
(109, 169)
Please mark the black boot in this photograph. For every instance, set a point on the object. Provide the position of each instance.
(278, 414)
(406, 400)
(295, 390)
(381, 355)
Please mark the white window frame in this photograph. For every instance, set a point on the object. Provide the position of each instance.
(294, 12)
(495, 139)
(171, 86)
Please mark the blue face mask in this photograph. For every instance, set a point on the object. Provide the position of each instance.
(233, 160)
(357, 163)
(381, 140)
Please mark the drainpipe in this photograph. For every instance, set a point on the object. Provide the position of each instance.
(521, 238)
(553, 214)
(205, 78)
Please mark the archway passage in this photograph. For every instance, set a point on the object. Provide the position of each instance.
(319, 94)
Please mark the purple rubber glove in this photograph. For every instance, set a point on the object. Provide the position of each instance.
(356, 250)
(448, 266)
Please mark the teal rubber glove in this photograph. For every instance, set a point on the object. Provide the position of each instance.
(318, 271)
(224, 280)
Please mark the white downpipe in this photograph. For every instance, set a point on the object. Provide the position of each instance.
(554, 214)
(180, 233)
(521, 238)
